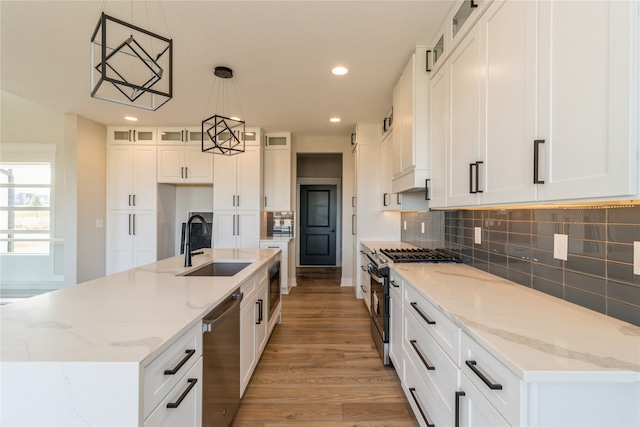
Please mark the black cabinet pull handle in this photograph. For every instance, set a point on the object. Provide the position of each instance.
(425, 361)
(398, 199)
(478, 177)
(427, 189)
(181, 364)
(259, 302)
(129, 224)
(385, 198)
(134, 224)
(186, 172)
(459, 394)
(129, 199)
(536, 161)
(493, 386)
(426, 419)
(192, 382)
(422, 313)
(471, 190)
(393, 283)
(473, 3)
(428, 69)
(265, 201)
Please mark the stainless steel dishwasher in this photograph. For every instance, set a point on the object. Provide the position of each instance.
(221, 362)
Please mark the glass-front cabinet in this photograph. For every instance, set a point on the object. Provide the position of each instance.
(177, 135)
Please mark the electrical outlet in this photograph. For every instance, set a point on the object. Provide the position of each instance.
(636, 258)
(478, 235)
(404, 225)
(560, 246)
(422, 227)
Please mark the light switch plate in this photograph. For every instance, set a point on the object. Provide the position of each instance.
(636, 258)
(560, 246)
(99, 223)
(478, 235)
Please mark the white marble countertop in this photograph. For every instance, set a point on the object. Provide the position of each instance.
(125, 317)
(537, 336)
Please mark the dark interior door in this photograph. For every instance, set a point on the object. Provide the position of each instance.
(318, 224)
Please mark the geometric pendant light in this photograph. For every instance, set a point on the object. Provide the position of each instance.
(221, 134)
(130, 65)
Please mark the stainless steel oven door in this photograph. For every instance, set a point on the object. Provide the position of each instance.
(379, 310)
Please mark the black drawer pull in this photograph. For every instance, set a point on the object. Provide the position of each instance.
(536, 161)
(459, 394)
(493, 386)
(181, 364)
(429, 367)
(192, 383)
(426, 419)
(422, 313)
(259, 302)
(393, 283)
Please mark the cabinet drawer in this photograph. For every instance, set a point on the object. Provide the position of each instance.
(395, 284)
(498, 384)
(188, 392)
(433, 364)
(250, 287)
(180, 356)
(426, 407)
(475, 409)
(443, 330)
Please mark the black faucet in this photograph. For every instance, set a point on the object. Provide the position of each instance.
(187, 237)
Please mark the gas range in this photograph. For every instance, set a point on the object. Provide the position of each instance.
(419, 255)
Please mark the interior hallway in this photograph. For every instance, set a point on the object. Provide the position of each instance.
(320, 367)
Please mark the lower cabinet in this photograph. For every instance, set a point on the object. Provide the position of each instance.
(286, 263)
(253, 325)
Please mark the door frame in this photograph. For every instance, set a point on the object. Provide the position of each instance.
(322, 181)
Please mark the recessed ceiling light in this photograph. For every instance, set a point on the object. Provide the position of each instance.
(339, 71)
(334, 119)
(131, 119)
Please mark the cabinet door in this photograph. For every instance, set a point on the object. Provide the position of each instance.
(396, 138)
(224, 182)
(120, 174)
(249, 179)
(262, 322)
(171, 135)
(171, 164)
(224, 229)
(199, 165)
(120, 242)
(395, 324)
(248, 355)
(437, 185)
(508, 31)
(247, 229)
(145, 186)
(128, 135)
(193, 135)
(589, 99)
(474, 409)
(277, 180)
(144, 230)
(406, 124)
(464, 76)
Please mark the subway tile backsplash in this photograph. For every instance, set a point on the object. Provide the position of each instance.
(517, 244)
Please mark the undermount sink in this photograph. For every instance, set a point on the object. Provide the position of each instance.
(220, 269)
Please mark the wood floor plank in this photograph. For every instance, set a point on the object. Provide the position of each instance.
(320, 367)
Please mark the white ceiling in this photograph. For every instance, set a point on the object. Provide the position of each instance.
(281, 53)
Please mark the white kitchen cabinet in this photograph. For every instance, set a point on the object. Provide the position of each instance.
(388, 201)
(410, 138)
(277, 173)
(439, 137)
(365, 281)
(438, 51)
(131, 206)
(588, 82)
(175, 135)
(474, 409)
(462, 18)
(236, 229)
(184, 164)
(253, 325)
(128, 135)
(237, 180)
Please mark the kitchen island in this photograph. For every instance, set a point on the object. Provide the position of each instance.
(76, 356)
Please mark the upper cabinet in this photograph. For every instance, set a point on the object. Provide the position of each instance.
(409, 146)
(184, 164)
(177, 135)
(277, 172)
(588, 109)
(128, 135)
(462, 18)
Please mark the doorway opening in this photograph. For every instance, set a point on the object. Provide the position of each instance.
(319, 179)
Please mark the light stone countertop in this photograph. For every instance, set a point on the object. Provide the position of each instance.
(130, 316)
(535, 335)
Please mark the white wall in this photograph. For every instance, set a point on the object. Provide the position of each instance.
(322, 144)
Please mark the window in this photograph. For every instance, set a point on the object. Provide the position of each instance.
(25, 207)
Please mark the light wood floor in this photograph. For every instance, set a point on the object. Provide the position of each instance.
(320, 367)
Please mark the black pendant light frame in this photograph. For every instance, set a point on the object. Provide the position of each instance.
(113, 83)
